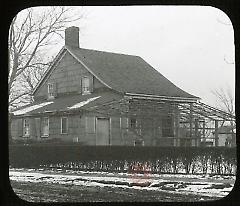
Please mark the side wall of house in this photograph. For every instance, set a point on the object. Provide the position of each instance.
(91, 133)
(66, 76)
(82, 128)
(149, 130)
(17, 128)
(222, 139)
(73, 132)
(14, 130)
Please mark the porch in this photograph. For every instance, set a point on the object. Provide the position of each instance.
(169, 121)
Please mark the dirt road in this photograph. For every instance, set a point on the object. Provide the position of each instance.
(43, 192)
(77, 186)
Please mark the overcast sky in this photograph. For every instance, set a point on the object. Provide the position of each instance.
(192, 46)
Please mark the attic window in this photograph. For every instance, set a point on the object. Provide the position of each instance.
(50, 90)
(85, 85)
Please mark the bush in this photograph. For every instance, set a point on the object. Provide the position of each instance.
(192, 160)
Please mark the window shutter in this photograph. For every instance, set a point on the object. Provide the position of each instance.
(32, 128)
(80, 85)
(20, 127)
(124, 123)
(55, 89)
(91, 83)
(38, 129)
(64, 125)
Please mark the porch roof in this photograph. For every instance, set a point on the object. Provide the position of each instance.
(67, 103)
(110, 103)
(134, 106)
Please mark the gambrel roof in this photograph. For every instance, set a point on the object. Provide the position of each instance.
(124, 73)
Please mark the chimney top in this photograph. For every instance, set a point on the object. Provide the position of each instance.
(72, 36)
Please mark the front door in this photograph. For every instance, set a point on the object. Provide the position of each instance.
(102, 126)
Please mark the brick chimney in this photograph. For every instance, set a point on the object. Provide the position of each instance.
(72, 36)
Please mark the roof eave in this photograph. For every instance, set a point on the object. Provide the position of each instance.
(166, 98)
(56, 59)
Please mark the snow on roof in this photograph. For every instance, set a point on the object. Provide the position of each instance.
(30, 108)
(80, 104)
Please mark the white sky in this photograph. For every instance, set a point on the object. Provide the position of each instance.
(193, 46)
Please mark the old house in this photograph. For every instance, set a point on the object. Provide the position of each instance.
(227, 136)
(102, 98)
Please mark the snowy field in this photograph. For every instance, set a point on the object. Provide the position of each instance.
(213, 186)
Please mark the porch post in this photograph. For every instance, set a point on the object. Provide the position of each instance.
(191, 121)
(177, 143)
(216, 133)
(196, 133)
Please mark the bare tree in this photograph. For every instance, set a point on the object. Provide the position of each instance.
(226, 102)
(31, 35)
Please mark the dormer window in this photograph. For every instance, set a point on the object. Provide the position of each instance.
(50, 90)
(85, 85)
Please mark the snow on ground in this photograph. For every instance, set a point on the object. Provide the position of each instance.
(80, 104)
(183, 184)
(201, 177)
(31, 108)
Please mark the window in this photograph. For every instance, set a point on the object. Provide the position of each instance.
(85, 85)
(167, 127)
(136, 125)
(45, 126)
(26, 127)
(64, 125)
(50, 90)
(133, 123)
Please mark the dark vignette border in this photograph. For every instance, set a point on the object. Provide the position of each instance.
(10, 8)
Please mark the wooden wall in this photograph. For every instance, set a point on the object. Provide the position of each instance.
(14, 129)
(83, 127)
(66, 75)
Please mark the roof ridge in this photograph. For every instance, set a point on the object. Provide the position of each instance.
(94, 50)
